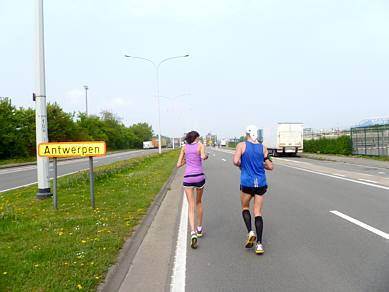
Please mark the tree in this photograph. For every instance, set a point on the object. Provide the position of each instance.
(8, 128)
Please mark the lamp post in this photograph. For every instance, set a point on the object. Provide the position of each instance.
(156, 66)
(40, 103)
(86, 99)
(172, 98)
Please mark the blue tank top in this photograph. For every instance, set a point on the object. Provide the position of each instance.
(253, 173)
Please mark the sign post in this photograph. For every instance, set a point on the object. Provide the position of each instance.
(73, 149)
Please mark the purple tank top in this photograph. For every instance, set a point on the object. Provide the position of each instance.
(194, 169)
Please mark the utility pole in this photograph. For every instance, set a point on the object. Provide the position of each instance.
(86, 99)
(40, 104)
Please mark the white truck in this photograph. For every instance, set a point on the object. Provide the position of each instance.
(148, 145)
(289, 139)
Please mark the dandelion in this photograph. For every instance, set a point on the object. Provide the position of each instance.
(79, 286)
(97, 277)
(66, 263)
(81, 264)
(92, 263)
(83, 241)
(74, 262)
(5, 273)
(79, 257)
(61, 233)
(70, 233)
(36, 265)
(104, 248)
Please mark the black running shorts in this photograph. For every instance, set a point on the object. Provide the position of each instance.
(254, 191)
(197, 185)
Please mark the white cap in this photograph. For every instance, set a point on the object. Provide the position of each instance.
(252, 131)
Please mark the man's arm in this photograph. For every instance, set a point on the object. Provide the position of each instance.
(267, 164)
(238, 154)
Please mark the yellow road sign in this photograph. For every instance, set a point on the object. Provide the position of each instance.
(69, 149)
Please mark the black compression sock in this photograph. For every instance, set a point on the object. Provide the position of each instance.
(247, 219)
(259, 228)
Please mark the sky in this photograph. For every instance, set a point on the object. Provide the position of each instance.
(324, 63)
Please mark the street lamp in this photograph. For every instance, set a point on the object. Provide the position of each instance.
(40, 103)
(172, 98)
(86, 99)
(156, 66)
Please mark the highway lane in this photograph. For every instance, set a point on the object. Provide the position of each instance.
(307, 248)
(12, 178)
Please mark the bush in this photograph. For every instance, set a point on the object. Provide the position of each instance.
(340, 145)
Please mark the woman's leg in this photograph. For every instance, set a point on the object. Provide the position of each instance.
(199, 206)
(191, 207)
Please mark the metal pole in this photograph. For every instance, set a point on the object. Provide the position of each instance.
(40, 104)
(86, 99)
(55, 182)
(173, 142)
(92, 186)
(159, 110)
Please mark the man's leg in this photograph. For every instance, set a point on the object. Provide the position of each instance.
(258, 202)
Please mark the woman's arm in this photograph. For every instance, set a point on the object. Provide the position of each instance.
(181, 160)
(203, 155)
(267, 164)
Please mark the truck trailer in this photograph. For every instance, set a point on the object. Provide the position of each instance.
(289, 139)
(154, 144)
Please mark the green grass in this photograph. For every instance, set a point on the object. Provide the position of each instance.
(42, 249)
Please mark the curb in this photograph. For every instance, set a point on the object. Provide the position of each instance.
(117, 273)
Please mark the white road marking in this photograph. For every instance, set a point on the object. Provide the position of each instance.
(370, 181)
(338, 177)
(338, 174)
(224, 159)
(30, 184)
(361, 224)
(14, 188)
(381, 172)
(179, 267)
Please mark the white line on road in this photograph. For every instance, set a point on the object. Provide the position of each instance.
(338, 177)
(361, 224)
(224, 159)
(338, 174)
(370, 181)
(179, 267)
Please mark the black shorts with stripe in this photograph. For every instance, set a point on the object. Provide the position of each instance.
(254, 190)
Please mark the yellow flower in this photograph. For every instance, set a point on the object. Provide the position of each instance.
(61, 233)
(70, 233)
(79, 257)
(92, 263)
(36, 265)
(74, 262)
(97, 277)
(66, 263)
(81, 264)
(5, 273)
(104, 248)
(79, 286)
(83, 241)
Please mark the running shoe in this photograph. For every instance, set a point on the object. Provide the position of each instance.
(250, 239)
(193, 241)
(259, 248)
(199, 232)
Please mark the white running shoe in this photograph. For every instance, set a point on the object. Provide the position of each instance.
(250, 239)
(259, 249)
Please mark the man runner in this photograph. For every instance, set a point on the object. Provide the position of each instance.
(252, 158)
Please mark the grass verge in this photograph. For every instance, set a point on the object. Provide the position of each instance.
(379, 158)
(72, 248)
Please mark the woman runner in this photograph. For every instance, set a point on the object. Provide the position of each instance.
(194, 178)
(252, 158)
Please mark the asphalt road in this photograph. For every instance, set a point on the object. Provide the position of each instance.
(307, 248)
(15, 177)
